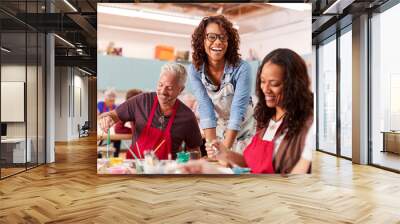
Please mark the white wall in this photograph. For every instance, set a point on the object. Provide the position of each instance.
(34, 124)
(286, 29)
(268, 41)
(280, 29)
(80, 83)
(61, 103)
(14, 73)
(138, 45)
(68, 82)
(143, 45)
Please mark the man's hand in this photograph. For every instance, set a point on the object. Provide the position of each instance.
(106, 121)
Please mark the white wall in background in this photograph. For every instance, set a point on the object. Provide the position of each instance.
(80, 103)
(71, 88)
(284, 28)
(15, 73)
(12, 101)
(61, 103)
(139, 45)
(268, 41)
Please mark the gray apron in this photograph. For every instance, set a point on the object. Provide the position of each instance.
(222, 100)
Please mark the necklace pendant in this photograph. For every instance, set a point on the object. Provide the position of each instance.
(161, 120)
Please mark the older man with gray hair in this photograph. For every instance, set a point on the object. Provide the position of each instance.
(109, 102)
(162, 121)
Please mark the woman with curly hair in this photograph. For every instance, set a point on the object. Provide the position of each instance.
(284, 114)
(221, 83)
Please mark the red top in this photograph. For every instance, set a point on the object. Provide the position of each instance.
(121, 129)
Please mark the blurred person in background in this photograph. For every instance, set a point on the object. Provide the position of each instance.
(189, 100)
(109, 102)
(105, 106)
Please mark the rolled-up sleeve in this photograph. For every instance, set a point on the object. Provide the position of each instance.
(206, 107)
(241, 98)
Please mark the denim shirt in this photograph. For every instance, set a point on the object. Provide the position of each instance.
(239, 77)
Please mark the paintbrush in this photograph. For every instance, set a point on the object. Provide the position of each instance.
(137, 147)
(155, 150)
(108, 142)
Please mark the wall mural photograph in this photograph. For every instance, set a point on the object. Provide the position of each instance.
(184, 90)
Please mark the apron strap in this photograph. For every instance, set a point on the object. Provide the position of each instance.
(153, 110)
(260, 133)
(280, 130)
(171, 120)
(104, 107)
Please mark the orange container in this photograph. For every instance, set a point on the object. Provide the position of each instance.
(164, 53)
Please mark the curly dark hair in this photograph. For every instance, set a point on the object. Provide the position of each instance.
(297, 97)
(199, 55)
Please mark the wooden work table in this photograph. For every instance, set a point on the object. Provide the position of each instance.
(129, 166)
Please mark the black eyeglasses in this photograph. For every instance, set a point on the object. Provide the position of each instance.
(213, 37)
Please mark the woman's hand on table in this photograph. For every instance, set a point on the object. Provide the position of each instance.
(214, 148)
(217, 150)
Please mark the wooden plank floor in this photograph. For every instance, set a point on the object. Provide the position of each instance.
(70, 191)
(388, 159)
(9, 171)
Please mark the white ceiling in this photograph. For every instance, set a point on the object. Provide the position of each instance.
(146, 24)
(263, 29)
(248, 21)
(259, 19)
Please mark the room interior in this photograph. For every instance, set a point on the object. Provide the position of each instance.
(50, 59)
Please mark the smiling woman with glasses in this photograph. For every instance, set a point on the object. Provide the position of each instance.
(220, 81)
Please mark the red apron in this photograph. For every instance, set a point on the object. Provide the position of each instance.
(150, 138)
(259, 154)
